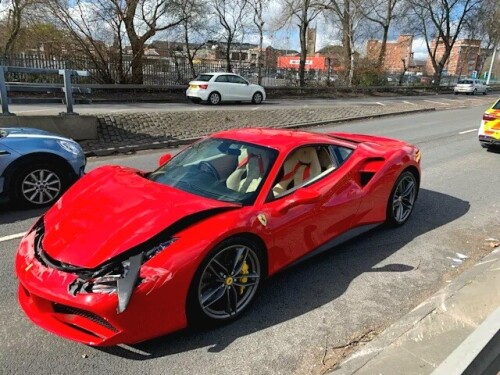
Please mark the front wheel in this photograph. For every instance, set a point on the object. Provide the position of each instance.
(38, 185)
(257, 98)
(225, 283)
(402, 199)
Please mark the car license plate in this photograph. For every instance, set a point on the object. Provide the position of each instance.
(193, 86)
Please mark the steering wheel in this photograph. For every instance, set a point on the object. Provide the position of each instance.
(206, 166)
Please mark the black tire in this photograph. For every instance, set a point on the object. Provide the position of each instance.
(214, 98)
(404, 202)
(205, 277)
(484, 145)
(485, 92)
(195, 100)
(257, 98)
(456, 93)
(475, 92)
(31, 176)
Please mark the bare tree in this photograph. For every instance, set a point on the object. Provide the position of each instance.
(441, 22)
(194, 23)
(154, 16)
(16, 16)
(380, 12)
(347, 14)
(303, 12)
(231, 17)
(258, 19)
(94, 26)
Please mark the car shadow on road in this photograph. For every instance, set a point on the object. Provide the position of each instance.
(9, 213)
(315, 282)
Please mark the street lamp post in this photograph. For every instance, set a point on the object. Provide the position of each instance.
(491, 65)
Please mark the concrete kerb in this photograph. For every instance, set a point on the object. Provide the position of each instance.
(375, 347)
(185, 141)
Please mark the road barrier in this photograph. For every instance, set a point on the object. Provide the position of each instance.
(67, 87)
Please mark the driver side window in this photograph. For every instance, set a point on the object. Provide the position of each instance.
(302, 166)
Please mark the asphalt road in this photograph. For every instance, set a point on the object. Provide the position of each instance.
(327, 302)
(444, 101)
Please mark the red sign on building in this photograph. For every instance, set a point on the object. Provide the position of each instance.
(293, 62)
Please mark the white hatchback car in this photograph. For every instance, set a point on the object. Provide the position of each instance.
(470, 86)
(222, 87)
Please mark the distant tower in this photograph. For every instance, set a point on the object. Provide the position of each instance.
(311, 41)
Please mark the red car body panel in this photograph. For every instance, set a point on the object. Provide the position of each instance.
(113, 209)
(123, 199)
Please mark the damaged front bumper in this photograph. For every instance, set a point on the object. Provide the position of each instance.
(98, 319)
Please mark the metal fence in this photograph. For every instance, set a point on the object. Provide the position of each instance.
(177, 71)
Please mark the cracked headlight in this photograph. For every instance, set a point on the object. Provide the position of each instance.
(119, 277)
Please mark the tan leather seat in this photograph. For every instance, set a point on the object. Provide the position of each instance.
(301, 166)
(249, 172)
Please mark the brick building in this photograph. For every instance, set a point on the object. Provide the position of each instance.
(465, 57)
(395, 52)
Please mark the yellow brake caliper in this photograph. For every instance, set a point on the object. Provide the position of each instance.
(244, 280)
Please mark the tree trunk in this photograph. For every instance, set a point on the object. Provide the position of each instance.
(137, 63)
(259, 56)
(229, 67)
(346, 44)
(16, 26)
(383, 48)
(303, 51)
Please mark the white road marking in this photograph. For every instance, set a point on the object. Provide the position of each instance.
(468, 131)
(382, 104)
(11, 237)
(433, 101)
(255, 108)
(407, 102)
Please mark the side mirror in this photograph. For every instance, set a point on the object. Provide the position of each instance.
(299, 197)
(164, 159)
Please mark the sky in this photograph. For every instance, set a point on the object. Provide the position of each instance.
(288, 38)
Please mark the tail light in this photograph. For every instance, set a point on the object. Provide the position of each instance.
(203, 87)
(489, 117)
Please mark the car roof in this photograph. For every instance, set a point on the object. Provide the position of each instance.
(279, 139)
(218, 73)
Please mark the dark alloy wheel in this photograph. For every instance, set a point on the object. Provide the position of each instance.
(214, 98)
(38, 185)
(257, 98)
(402, 199)
(225, 283)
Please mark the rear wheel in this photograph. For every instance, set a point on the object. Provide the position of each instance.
(225, 283)
(214, 98)
(402, 199)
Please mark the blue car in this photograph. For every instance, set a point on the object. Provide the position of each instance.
(37, 166)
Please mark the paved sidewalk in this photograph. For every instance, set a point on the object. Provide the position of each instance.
(425, 337)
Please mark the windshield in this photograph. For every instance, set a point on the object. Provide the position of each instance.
(497, 105)
(204, 77)
(465, 82)
(220, 169)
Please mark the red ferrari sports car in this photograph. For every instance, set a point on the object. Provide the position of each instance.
(125, 255)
